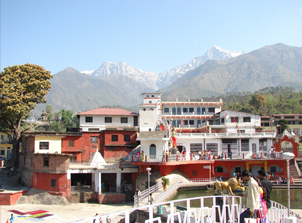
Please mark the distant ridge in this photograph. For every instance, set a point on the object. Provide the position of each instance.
(276, 65)
(119, 84)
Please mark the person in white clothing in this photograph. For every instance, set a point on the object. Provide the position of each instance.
(252, 195)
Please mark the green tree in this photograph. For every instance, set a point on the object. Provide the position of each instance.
(282, 126)
(49, 112)
(22, 87)
(258, 101)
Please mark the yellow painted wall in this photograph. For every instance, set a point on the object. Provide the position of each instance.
(5, 145)
(54, 144)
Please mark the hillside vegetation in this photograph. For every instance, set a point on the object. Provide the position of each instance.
(267, 101)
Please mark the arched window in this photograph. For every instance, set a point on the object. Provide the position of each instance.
(152, 151)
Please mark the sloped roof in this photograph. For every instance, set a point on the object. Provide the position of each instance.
(109, 111)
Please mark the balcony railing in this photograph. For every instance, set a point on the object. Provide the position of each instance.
(197, 157)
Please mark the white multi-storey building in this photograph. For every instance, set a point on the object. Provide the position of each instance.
(200, 125)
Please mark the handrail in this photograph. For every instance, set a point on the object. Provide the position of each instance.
(277, 212)
(163, 195)
(145, 193)
(297, 168)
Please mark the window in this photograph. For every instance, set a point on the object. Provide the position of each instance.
(195, 147)
(191, 109)
(174, 123)
(219, 169)
(245, 145)
(234, 119)
(126, 138)
(53, 182)
(70, 143)
(152, 151)
(211, 109)
(45, 161)
(152, 96)
(246, 119)
(114, 138)
(173, 111)
(273, 169)
(198, 111)
(124, 119)
(88, 119)
(191, 122)
(2, 152)
(93, 139)
(108, 119)
(213, 147)
(150, 102)
(198, 122)
(185, 109)
(237, 170)
(179, 111)
(166, 110)
(194, 173)
(222, 121)
(185, 122)
(44, 146)
(135, 121)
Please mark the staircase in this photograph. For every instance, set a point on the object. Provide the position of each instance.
(293, 170)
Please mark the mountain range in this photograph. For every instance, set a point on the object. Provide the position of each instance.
(216, 72)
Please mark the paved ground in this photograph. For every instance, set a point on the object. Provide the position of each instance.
(62, 213)
(68, 213)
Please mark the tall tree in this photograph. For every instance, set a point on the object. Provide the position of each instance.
(49, 112)
(22, 87)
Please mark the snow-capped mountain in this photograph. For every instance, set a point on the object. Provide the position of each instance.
(157, 81)
(88, 72)
(216, 53)
(109, 68)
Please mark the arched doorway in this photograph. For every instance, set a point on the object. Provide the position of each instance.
(181, 148)
(152, 151)
(291, 140)
(235, 170)
(254, 170)
(275, 169)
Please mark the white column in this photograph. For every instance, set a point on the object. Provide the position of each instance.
(98, 180)
(118, 181)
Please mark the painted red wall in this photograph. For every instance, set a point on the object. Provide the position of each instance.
(42, 181)
(10, 198)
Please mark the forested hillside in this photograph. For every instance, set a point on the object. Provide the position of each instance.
(267, 101)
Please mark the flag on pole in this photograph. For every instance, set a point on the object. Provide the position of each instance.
(162, 127)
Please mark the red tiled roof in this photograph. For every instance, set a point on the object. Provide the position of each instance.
(109, 111)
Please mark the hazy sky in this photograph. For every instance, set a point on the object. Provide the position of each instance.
(154, 35)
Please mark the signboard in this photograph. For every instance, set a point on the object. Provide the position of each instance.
(207, 167)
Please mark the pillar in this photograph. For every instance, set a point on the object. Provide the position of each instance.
(98, 182)
(118, 181)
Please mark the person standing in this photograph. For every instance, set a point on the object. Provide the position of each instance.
(11, 220)
(267, 185)
(143, 156)
(252, 196)
(231, 154)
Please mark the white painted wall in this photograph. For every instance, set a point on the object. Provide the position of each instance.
(148, 118)
(98, 122)
(54, 144)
